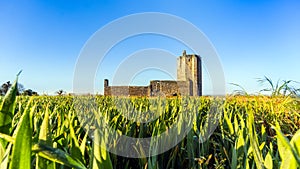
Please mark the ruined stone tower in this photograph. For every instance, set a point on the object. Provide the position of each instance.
(189, 70)
(189, 82)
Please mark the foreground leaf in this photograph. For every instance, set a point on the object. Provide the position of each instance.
(21, 152)
(6, 114)
(289, 155)
(57, 155)
(7, 108)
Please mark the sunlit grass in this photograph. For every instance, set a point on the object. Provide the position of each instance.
(47, 131)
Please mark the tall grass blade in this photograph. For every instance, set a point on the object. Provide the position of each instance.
(4, 163)
(21, 152)
(45, 138)
(268, 161)
(83, 143)
(100, 156)
(253, 141)
(288, 152)
(7, 108)
(57, 155)
(6, 113)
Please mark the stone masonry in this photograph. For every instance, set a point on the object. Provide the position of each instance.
(189, 82)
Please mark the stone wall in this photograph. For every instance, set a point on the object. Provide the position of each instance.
(163, 88)
(126, 91)
(184, 88)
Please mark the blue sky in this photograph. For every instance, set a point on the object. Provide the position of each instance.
(44, 38)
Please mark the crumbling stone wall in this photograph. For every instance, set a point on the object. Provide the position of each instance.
(164, 88)
(126, 91)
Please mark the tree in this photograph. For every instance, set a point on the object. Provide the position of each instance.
(29, 92)
(5, 87)
(60, 92)
(21, 89)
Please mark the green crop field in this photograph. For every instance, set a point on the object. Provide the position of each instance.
(56, 132)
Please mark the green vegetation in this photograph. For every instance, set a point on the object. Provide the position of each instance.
(47, 132)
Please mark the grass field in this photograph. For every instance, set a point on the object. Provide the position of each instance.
(57, 132)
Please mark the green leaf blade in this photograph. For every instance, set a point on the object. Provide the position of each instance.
(21, 152)
(57, 155)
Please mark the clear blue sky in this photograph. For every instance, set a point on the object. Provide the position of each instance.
(253, 38)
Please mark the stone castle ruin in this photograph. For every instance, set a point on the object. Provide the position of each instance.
(189, 82)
